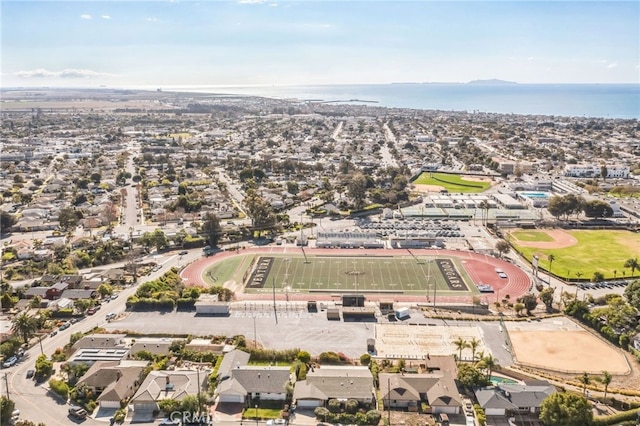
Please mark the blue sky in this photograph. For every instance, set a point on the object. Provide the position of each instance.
(272, 42)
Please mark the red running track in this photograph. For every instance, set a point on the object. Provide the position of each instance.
(481, 269)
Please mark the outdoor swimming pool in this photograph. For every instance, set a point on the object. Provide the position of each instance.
(529, 194)
(498, 380)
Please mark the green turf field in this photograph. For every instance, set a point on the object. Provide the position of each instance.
(365, 274)
(451, 182)
(603, 251)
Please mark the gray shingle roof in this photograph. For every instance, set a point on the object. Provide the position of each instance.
(234, 359)
(262, 379)
(336, 382)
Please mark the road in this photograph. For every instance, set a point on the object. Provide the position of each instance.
(33, 400)
(387, 158)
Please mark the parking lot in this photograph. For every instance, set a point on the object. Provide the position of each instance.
(437, 228)
(293, 329)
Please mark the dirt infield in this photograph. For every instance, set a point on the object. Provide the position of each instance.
(566, 351)
(428, 188)
(561, 239)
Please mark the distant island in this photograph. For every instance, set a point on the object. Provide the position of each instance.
(492, 81)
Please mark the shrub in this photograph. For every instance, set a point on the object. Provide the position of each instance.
(373, 417)
(617, 418)
(334, 405)
(90, 406)
(351, 406)
(365, 359)
(304, 356)
(59, 387)
(321, 413)
(329, 358)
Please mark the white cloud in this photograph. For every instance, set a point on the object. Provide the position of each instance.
(151, 19)
(86, 16)
(251, 1)
(273, 4)
(612, 65)
(69, 73)
(530, 58)
(106, 17)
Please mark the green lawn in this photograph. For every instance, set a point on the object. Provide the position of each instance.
(452, 182)
(231, 268)
(532, 236)
(596, 251)
(366, 274)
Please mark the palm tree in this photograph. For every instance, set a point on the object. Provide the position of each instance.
(460, 344)
(473, 344)
(551, 257)
(633, 265)
(489, 363)
(484, 205)
(24, 325)
(585, 380)
(606, 381)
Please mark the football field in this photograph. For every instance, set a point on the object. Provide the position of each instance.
(359, 274)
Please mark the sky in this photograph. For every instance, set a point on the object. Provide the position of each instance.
(272, 42)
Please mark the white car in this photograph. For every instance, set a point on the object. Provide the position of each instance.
(276, 422)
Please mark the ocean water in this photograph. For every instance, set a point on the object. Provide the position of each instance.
(574, 100)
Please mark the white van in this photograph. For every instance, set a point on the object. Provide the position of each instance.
(402, 314)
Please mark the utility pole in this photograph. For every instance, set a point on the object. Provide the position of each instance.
(389, 400)
(255, 334)
(275, 311)
(6, 383)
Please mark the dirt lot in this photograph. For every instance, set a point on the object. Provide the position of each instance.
(565, 347)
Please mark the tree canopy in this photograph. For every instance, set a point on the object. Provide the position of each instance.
(566, 409)
(632, 294)
(211, 229)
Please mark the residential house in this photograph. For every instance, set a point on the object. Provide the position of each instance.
(105, 341)
(507, 399)
(408, 391)
(334, 382)
(154, 345)
(73, 281)
(55, 291)
(159, 385)
(36, 292)
(232, 359)
(250, 383)
(113, 381)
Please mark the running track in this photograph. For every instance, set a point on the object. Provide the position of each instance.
(481, 269)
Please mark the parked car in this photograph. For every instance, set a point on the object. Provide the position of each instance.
(10, 362)
(91, 311)
(78, 412)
